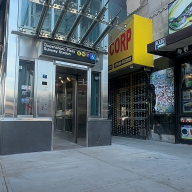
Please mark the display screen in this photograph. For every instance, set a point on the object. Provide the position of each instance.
(163, 81)
(44, 83)
(180, 15)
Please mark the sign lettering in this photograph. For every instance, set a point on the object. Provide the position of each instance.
(61, 51)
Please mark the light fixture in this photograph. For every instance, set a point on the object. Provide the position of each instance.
(62, 81)
(59, 77)
(68, 79)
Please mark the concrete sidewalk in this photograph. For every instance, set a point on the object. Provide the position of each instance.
(127, 166)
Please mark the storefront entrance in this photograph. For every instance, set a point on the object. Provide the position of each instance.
(70, 104)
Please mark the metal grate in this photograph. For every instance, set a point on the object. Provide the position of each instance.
(128, 100)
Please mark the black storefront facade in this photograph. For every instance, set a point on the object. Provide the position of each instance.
(177, 47)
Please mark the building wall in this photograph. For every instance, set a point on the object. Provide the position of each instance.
(157, 10)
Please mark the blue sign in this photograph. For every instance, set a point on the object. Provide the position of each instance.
(93, 57)
(44, 76)
(22, 100)
(160, 43)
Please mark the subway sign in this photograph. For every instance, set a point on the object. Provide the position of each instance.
(63, 52)
(130, 47)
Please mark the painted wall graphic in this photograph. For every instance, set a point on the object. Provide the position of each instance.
(164, 90)
(186, 131)
(180, 15)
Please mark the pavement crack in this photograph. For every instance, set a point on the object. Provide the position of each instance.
(5, 183)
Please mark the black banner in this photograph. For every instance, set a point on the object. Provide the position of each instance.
(65, 52)
(123, 62)
(110, 67)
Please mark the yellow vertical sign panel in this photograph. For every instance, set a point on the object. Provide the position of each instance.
(130, 47)
(143, 33)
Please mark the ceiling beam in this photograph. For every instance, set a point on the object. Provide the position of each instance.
(93, 25)
(60, 19)
(78, 20)
(43, 16)
(105, 32)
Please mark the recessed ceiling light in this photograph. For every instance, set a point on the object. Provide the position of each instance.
(59, 77)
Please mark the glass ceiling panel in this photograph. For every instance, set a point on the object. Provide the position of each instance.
(83, 27)
(47, 25)
(67, 24)
(114, 8)
(96, 33)
(30, 14)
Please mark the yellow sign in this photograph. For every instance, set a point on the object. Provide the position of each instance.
(130, 47)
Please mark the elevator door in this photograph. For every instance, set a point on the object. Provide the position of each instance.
(65, 119)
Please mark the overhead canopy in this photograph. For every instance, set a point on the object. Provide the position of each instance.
(169, 45)
(83, 22)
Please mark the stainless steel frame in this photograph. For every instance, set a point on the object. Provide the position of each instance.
(26, 48)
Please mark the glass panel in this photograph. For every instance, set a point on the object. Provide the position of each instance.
(187, 75)
(25, 88)
(95, 7)
(30, 13)
(114, 8)
(67, 24)
(187, 101)
(163, 91)
(96, 94)
(47, 25)
(69, 106)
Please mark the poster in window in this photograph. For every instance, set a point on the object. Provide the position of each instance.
(187, 101)
(186, 75)
(163, 82)
(180, 15)
(186, 131)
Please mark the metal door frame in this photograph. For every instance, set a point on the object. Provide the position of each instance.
(75, 100)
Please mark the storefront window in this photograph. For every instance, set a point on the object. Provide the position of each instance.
(96, 94)
(187, 87)
(163, 82)
(25, 88)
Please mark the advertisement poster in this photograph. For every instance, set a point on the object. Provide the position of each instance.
(163, 82)
(186, 75)
(186, 131)
(180, 15)
(187, 101)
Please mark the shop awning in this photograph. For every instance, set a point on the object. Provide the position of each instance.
(82, 22)
(174, 45)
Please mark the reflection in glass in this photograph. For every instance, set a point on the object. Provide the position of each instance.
(187, 75)
(67, 24)
(30, 13)
(25, 88)
(96, 94)
(187, 101)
